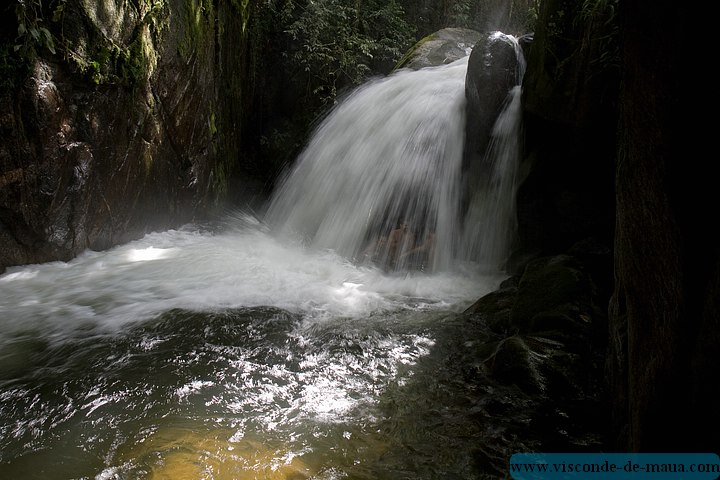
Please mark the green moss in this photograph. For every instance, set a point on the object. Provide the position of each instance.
(106, 62)
(211, 125)
(200, 22)
(242, 7)
(411, 51)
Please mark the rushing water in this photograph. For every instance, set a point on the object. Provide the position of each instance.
(214, 354)
(264, 348)
(389, 153)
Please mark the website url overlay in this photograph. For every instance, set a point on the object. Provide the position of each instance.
(615, 466)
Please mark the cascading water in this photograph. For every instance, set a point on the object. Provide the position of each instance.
(391, 154)
(224, 352)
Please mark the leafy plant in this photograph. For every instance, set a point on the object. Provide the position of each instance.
(604, 30)
(31, 31)
(337, 43)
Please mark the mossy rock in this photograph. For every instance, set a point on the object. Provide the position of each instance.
(550, 284)
(440, 48)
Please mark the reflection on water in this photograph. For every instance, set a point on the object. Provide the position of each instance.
(194, 354)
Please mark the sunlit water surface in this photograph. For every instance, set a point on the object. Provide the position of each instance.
(225, 353)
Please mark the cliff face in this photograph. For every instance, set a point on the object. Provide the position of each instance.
(608, 97)
(570, 102)
(120, 130)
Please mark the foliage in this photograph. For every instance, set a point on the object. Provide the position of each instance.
(533, 13)
(337, 43)
(25, 34)
(600, 16)
(63, 28)
(32, 33)
(460, 13)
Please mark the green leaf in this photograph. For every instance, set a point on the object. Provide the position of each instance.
(57, 14)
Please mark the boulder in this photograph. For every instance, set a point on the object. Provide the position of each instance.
(492, 71)
(440, 48)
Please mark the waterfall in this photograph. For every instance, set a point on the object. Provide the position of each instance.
(388, 157)
(490, 222)
(223, 350)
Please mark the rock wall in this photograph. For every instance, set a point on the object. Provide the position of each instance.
(570, 118)
(665, 322)
(613, 156)
(122, 128)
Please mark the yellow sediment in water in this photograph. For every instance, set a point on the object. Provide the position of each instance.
(181, 454)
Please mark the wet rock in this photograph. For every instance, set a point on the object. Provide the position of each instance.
(544, 363)
(513, 363)
(551, 288)
(440, 48)
(492, 72)
(494, 308)
(96, 151)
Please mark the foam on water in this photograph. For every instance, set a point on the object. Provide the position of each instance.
(196, 269)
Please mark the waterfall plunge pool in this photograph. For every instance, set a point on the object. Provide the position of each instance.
(227, 353)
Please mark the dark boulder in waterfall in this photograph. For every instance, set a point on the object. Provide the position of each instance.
(493, 69)
(440, 48)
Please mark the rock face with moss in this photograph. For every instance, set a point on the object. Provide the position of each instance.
(601, 148)
(117, 129)
(440, 48)
(570, 118)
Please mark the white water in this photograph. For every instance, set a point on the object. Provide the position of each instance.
(490, 222)
(390, 151)
(243, 266)
(101, 377)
